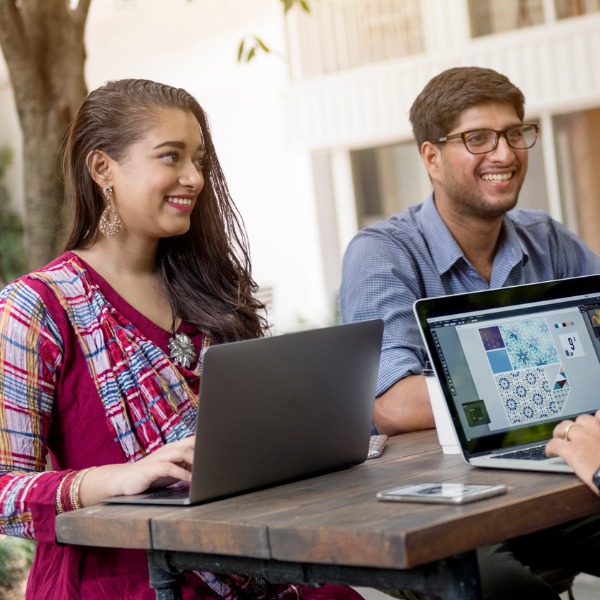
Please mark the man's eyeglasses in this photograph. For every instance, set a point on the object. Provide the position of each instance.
(482, 141)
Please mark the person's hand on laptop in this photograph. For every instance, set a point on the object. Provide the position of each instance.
(163, 467)
(578, 443)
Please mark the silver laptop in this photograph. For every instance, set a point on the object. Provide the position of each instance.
(512, 363)
(278, 409)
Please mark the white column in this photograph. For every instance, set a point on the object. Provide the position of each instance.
(446, 25)
(549, 11)
(551, 166)
(345, 203)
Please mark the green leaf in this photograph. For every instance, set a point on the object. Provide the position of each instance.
(241, 50)
(264, 47)
(287, 5)
(305, 6)
(251, 54)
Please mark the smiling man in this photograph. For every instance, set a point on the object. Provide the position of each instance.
(467, 236)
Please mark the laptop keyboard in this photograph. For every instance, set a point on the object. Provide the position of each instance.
(174, 492)
(535, 453)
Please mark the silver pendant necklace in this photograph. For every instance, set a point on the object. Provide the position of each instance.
(181, 350)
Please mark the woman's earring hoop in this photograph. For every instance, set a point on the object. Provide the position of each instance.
(110, 223)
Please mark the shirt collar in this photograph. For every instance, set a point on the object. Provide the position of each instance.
(442, 245)
(511, 252)
(445, 252)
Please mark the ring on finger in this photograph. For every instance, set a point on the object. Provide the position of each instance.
(566, 431)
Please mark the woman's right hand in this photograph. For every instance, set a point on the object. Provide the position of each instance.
(167, 465)
(578, 443)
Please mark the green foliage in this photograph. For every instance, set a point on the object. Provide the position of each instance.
(289, 4)
(252, 44)
(249, 46)
(16, 555)
(13, 261)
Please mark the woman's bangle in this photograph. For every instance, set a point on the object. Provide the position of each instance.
(62, 500)
(67, 494)
(75, 499)
(57, 499)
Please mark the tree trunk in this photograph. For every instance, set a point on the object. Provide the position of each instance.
(43, 44)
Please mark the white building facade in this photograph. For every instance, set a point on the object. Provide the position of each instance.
(359, 64)
(315, 139)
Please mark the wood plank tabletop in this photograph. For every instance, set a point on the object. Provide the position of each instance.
(128, 526)
(336, 519)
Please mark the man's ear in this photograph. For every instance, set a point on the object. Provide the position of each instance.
(430, 153)
(98, 164)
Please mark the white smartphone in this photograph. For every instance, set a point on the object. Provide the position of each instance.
(446, 493)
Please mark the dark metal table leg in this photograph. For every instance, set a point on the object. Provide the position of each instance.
(163, 579)
(457, 578)
(454, 578)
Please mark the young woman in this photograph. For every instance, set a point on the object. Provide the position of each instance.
(101, 349)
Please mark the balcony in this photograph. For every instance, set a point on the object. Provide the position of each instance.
(345, 34)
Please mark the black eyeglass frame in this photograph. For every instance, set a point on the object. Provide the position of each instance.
(462, 135)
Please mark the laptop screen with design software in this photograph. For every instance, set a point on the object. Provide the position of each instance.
(513, 362)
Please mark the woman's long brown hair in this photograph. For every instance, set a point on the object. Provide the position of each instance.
(206, 272)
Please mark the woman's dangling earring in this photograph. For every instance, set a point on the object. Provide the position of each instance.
(110, 224)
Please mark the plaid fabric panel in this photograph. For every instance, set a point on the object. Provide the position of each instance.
(147, 399)
(30, 354)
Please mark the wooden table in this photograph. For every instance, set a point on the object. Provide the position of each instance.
(331, 529)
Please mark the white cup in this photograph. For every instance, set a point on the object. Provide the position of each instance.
(443, 422)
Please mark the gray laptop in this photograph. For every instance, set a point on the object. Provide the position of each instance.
(278, 409)
(512, 363)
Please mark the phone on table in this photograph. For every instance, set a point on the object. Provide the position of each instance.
(445, 493)
(376, 445)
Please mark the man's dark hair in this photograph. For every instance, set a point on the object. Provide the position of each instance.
(437, 108)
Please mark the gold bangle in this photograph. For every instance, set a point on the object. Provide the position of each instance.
(75, 499)
(57, 502)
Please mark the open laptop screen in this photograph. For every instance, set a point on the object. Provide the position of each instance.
(515, 361)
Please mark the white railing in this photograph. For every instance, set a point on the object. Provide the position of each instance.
(492, 16)
(555, 65)
(340, 35)
(574, 8)
(488, 16)
(344, 34)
